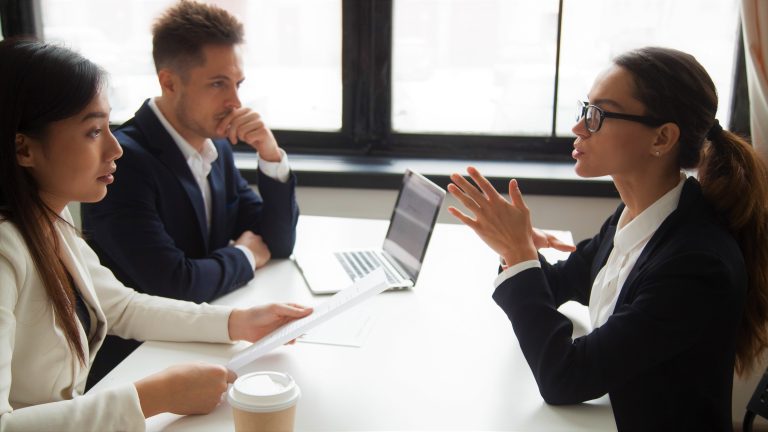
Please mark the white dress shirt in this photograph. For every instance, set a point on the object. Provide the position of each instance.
(630, 239)
(200, 165)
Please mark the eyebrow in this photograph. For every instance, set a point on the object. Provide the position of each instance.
(94, 114)
(609, 102)
(223, 77)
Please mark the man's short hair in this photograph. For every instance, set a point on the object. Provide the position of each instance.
(179, 35)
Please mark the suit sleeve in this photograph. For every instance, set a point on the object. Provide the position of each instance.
(571, 279)
(668, 315)
(273, 217)
(127, 231)
(144, 317)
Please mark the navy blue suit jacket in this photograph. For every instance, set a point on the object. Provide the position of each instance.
(666, 355)
(150, 230)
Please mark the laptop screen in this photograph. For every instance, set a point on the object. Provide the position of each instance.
(412, 221)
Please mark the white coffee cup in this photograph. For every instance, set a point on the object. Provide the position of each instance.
(264, 401)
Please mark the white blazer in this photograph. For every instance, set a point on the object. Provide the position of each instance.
(41, 379)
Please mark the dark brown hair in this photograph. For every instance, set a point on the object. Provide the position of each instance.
(734, 179)
(179, 35)
(40, 83)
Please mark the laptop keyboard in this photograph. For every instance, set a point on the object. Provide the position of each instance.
(359, 263)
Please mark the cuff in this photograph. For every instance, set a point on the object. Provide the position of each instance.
(279, 171)
(514, 270)
(248, 255)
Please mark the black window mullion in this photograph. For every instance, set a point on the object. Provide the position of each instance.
(557, 67)
(20, 18)
(367, 47)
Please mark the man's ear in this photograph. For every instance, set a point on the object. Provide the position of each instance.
(666, 139)
(169, 81)
(24, 154)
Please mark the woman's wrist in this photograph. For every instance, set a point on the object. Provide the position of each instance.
(233, 324)
(517, 256)
(151, 398)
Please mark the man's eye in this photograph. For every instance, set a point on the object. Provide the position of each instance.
(94, 133)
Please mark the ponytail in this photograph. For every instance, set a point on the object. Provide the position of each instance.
(734, 179)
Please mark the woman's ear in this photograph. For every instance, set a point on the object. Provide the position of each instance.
(666, 139)
(23, 151)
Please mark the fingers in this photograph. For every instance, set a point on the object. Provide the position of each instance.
(556, 243)
(466, 220)
(241, 124)
(515, 195)
(483, 183)
(291, 310)
(468, 202)
(468, 189)
(231, 376)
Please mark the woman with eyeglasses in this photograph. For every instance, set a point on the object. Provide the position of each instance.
(677, 278)
(57, 303)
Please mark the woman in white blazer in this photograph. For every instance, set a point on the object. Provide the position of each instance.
(57, 303)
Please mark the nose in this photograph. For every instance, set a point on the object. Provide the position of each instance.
(233, 99)
(114, 150)
(580, 128)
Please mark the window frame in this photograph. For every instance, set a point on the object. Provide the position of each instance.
(367, 98)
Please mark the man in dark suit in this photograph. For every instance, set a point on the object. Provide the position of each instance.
(180, 221)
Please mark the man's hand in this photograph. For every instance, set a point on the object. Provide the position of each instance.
(256, 245)
(244, 124)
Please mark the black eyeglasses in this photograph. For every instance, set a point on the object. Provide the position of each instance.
(594, 116)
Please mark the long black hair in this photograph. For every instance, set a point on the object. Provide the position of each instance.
(40, 83)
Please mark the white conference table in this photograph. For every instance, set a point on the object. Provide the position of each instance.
(441, 356)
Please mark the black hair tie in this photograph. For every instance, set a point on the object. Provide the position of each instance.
(714, 131)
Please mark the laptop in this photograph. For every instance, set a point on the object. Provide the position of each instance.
(405, 245)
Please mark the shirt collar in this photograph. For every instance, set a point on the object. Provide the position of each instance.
(209, 153)
(646, 223)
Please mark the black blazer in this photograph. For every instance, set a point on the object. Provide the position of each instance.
(151, 232)
(666, 355)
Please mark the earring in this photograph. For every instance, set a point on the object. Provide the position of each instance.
(658, 154)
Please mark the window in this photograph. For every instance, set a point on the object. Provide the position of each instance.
(292, 53)
(493, 79)
(594, 31)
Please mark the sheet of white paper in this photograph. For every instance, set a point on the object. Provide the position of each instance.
(365, 288)
(350, 329)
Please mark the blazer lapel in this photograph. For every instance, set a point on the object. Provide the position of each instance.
(71, 258)
(218, 203)
(688, 197)
(161, 144)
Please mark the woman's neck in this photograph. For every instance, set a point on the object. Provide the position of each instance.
(639, 193)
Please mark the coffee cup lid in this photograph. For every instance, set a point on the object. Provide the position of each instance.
(264, 391)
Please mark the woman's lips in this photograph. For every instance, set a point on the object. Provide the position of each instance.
(576, 153)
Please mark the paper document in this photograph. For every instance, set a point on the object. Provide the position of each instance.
(365, 288)
(349, 330)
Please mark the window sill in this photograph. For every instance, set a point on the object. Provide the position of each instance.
(536, 178)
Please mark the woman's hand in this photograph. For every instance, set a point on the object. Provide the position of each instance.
(254, 323)
(543, 240)
(503, 225)
(184, 389)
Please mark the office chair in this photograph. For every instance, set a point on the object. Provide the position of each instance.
(758, 404)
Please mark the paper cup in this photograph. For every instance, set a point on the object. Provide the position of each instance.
(264, 401)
